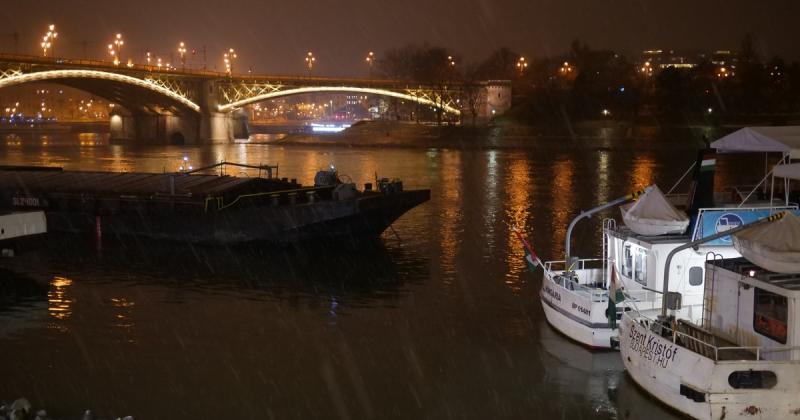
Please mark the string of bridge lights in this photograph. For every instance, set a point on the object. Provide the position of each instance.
(155, 62)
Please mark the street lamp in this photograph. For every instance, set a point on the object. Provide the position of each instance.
(115, 49)
(182, 52)
(49, 40)
(370, 61)
(310, 60)
(522, 65)
(228, 58)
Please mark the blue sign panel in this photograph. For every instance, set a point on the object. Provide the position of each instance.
(716, 221)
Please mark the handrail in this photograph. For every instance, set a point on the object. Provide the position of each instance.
(759, 350)
(268, 168)
(223, 206)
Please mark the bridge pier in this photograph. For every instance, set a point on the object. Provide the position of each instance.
(154, 128)
(215, 126)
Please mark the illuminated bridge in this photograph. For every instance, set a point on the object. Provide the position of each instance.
(202, 106)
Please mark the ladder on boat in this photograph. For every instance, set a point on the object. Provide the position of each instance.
(708, 290)
(608, 225)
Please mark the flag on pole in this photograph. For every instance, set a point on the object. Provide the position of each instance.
(615, 296)
(708, 163)
(530, 256)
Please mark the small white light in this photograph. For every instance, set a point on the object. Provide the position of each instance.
(186, 158)
(752, 273)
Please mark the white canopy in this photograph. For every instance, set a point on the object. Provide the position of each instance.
(790, 171)
(773, 246)
(652, 215)
(762, 139)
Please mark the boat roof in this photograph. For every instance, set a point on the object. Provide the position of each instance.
(784, 139)
(783, 284)
(624, 232)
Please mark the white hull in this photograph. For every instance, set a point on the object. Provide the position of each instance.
(599, 338)
(17, 225)
(698, 386)
(577, 311)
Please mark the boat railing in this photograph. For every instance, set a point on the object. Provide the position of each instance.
(710, 345)
(581, 264)
(594, 293)
(264, 171)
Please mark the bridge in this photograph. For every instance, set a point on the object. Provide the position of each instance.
(198, 106)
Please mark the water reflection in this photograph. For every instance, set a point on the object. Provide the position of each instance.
(563, 196)
(60, 304)
(451, 207)
(642, 172)
(578, 372)
(520, 189)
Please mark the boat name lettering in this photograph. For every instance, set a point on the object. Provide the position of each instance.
(555, 295)
(658, 353)
(28, 202)
(581, 309)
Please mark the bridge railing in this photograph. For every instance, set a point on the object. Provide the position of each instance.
(238, 78)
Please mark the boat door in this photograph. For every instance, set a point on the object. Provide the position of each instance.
(744, 316)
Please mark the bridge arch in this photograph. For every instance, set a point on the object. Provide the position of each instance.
(335, 89)
(63, 75)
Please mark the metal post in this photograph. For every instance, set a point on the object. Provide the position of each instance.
(769, 219)
(589, 213)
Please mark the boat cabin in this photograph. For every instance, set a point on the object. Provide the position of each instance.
(753, 307)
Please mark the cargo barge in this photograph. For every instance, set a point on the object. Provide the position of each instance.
(198, 207)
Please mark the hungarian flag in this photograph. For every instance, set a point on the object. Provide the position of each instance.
(530, 257)
(708, 163)
(615, 296)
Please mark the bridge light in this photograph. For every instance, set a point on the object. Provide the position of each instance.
(310, 60)
(228, 58)
(182, 53)
(48, 40)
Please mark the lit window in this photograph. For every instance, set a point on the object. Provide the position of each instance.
(770, 315)
(640, 270)
(627, 262)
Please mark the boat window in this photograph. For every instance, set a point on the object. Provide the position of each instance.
(640, 268)
(752, 379)
(627, 262)
(770, 315)
(696, 276)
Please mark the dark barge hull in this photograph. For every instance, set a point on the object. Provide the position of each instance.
(201, 208)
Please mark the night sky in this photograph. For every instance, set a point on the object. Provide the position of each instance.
(273, 36)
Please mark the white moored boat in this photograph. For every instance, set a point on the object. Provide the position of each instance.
(575, 292)
(742, 360)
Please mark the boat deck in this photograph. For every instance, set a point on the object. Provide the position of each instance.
(708, 344)
(131, 183)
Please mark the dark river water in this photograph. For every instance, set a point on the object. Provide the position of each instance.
(439, 321)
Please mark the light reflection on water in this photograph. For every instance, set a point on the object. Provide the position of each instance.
(440, 321)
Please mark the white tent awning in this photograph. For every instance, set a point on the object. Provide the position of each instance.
(762, 139)
(790, 171)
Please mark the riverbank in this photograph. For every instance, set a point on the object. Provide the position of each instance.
(507, 134)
